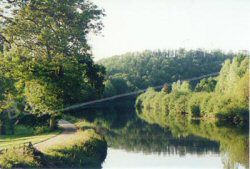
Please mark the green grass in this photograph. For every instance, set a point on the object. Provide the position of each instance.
(16, 157)
(70, 118)
(83, 123)
(85, 149)
(22, 135)
(80, 123)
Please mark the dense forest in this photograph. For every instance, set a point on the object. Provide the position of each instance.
(225, 97)
(133, 71)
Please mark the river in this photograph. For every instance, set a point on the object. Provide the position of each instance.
(136, 142)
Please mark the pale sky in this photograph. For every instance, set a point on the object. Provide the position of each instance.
(136, 25)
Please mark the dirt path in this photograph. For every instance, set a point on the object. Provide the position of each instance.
(69, 130)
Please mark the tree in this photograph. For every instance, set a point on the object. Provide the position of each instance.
(49, 56)
(116, 85)
(230, 102)
(154, 68)
(222, 80)
(206, 85)
(165, 88)
(109, 89)
(176, 86)
(186, 87)
(181, 86)
(1, 44)
(41, 99)
(7, 92)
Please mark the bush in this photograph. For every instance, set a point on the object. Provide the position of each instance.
(16, 158)
(41, 129)
(194, 109)
(178, 103)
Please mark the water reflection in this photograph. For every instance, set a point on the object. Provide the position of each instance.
(118, 158)
(139, 136)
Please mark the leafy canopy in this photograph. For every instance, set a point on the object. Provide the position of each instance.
(44, 45)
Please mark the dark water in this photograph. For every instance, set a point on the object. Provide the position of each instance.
(139, 142)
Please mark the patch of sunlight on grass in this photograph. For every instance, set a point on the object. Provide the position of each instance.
(83, 123)
(24, 135)
(78, 138)
(78, 121)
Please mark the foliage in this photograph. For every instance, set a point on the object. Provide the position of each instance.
(206, 85)
(24, 134)
(229, 101)
(154, 68)
(87, 149)
(177, 135)
(16, 158)
(46, 56)
(7, 99)
(233, 141)
(181, 86)
(40, 98)
(116, 84)
(41, 130)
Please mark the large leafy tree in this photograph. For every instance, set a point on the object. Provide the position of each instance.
(45, 43)
(7, 100)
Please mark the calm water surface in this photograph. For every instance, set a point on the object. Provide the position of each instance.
(118, 158)
(138, 142)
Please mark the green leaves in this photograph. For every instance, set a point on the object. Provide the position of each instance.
(206, 85)
(49, 59)
(43, 98)
(153, 68)
(228, 103)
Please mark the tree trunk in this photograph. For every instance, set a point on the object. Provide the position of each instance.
(2, 127)
(52, 123)
(12, 129)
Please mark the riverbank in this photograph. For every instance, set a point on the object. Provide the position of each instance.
(144, 134)
(225, 98)
(72, 149)
(24, 134)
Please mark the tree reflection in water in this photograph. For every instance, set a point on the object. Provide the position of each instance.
(142, 132)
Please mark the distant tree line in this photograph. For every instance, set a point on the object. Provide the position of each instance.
(133, 71)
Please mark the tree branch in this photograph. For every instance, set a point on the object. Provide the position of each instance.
(4, 38)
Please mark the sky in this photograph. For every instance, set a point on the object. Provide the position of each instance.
(137, 25)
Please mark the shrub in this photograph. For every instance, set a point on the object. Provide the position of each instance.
(16, 158)
(194, 106)
(41, 130)
(178, 103)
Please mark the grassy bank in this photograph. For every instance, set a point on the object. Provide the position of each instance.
(24, 134)
(85, 149)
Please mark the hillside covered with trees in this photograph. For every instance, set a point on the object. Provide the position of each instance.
(133, 71)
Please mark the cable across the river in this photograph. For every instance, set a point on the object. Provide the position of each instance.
(130, 93)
